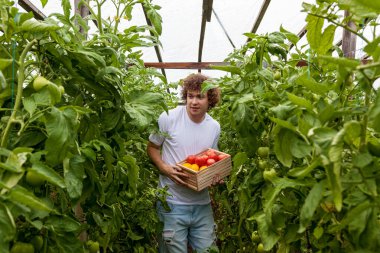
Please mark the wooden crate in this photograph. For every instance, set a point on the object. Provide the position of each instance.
(198, 180)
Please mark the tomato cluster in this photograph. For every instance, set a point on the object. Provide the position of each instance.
(201, 161)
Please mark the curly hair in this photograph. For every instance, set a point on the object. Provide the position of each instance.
(193, 82)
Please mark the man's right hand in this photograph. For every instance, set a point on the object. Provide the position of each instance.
(175, 173)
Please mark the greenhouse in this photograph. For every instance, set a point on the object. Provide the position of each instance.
(189, 126)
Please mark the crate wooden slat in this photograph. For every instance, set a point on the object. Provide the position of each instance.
(198, 180)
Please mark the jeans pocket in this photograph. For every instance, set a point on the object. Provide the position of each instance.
(167, 236)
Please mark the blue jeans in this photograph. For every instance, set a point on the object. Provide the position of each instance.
(183, 224)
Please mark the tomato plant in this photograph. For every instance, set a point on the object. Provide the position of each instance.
(73, 124)
(319, 121)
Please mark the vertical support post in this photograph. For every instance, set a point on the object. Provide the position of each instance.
(82, 11)
(349, 39)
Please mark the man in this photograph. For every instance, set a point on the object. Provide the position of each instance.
(189, 130)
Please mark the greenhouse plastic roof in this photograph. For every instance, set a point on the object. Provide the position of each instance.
(182, 24)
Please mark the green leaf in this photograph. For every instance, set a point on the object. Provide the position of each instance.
(281, 147)
(304, 171)
(302, 102)
(298, 147)
(140, 107)
(66, 6)
(362, 6)
(314, 31)
(231, 69)
(74, 176)
(267, 234)
(154, 17)
(374, 114)
(33, 26)
(276, 37)
(62, 223)
(343, 62)
(311, 84)
(21, 195)
(293, 38)
(129, 163)
(8, 226)
(327, 39)
(4, 63)
(322, 136)
(284, 124)
(238, 160)
(310, 205)
(60, 127)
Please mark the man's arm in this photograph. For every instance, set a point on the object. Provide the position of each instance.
(173, 172)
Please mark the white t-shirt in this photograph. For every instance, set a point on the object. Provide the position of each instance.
(186, 138)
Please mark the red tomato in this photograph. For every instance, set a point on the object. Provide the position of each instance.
(191, 159)
(201, 160)
(222, 156)
(210, 152)
(210, 161)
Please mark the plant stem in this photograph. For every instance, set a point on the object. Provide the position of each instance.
(20, 81)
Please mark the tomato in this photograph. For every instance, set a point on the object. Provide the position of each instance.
(255, 237)
(61, 90)
(195, 167)
(277, 75)
(34, 179)
(203, 167)
(201, 160)
(37, 242)
(191, 159)
(222, 156)
(263, 164)
(210, 162)
(187, 165)
(21, 247)
(269, 174)
(210, 152)
(263, 152)
(93, 247)
(40, 82)
(260, 248)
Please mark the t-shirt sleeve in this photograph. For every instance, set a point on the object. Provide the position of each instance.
(158, 138)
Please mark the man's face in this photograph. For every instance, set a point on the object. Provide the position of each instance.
(196, 104)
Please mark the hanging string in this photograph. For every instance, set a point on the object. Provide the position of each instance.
(308, 63)
(224, 29)
(13, 65)
(13, 73)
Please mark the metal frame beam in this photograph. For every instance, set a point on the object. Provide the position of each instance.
(206, 17)
(28, 6)
(260, 17)
(184, 65)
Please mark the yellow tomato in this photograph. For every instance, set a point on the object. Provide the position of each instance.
(187, 165)
(195, 167)
(203, 167)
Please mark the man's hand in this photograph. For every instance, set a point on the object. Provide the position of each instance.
(174, 173)
(217, 180)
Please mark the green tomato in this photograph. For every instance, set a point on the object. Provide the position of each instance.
(21, 247)
(61, 90)
(269, 174)
(260, 248)
(277, 75)
(263, 152)
(263, 164)
(37, 242)
(255, 237)
(34, 179)
(40, 82)
(93, 247)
